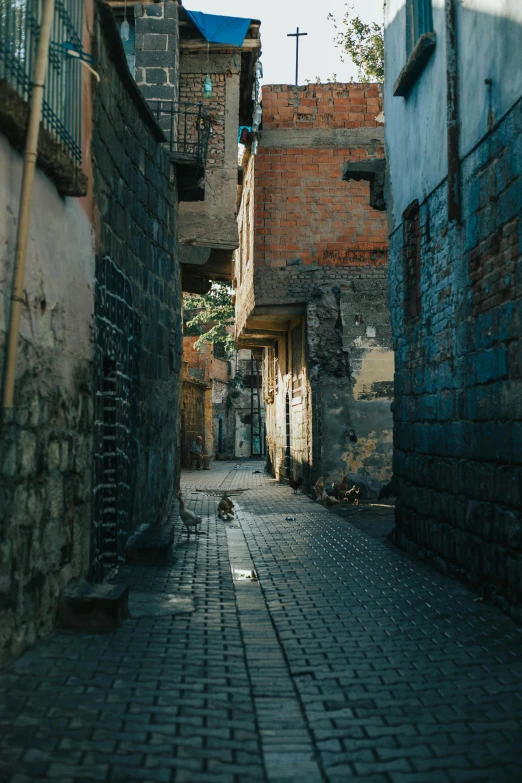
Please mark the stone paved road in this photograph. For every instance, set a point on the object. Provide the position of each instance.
(344, 660)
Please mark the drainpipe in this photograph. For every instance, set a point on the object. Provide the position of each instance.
(24, 211)
(452, 70)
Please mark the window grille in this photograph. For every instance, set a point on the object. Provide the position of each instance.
(19, 33)
(187, 128)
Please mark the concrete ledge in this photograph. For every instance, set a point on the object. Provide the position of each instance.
(151, 546)
(53, 159)
(322, 137)
(93, 608)
(415, 65)
(374, 171)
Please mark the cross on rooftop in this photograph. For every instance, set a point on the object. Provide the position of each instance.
(296, 35)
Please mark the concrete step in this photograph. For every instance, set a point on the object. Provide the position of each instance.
(94, 608)
(150, 546)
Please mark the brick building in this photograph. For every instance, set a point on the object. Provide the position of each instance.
(453, 129)
(311, 282)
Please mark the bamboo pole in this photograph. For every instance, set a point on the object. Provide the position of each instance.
(24, 211)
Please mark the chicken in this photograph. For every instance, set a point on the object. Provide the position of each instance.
(295, 484)
(352, 495)
(189, 519)
(225, 507)
(319, 487)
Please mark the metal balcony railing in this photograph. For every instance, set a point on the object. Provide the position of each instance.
(19, 32)
(187, 128)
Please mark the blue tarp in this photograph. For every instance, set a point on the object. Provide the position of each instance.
(220, 29)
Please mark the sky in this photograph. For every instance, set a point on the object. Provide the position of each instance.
(318, 55)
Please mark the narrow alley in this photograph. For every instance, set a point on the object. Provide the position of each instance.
(343, 659)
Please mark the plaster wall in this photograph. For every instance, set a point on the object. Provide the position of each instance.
(488, 35)
(46, 442)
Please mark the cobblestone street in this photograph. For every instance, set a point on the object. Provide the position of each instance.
(344, 659)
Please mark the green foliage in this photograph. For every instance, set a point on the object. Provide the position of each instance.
(363, 43)
(211, 316)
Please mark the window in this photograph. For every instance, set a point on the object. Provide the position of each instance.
(419, 20)
(420, 43)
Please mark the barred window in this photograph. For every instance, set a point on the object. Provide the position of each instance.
(19, 32)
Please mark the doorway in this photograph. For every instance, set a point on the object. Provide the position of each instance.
(288, 456)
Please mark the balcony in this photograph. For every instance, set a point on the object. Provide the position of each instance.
(187, 129)
(60, 141)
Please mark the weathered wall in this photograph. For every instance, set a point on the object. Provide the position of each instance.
(458, 409)
(137, 311)
(46, 443)
(347, 368)
(488, 41)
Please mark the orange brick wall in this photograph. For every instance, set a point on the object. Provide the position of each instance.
(321, 106)
(303, 209)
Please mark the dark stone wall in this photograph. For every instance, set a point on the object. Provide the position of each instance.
(157, 50)
(137, 361)
(458, 386)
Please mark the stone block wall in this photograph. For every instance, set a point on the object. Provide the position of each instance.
(458, 408)
(137, 364)
(157, 50)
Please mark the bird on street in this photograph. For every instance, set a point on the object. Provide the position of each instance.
(295, 484)
(189, 519)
